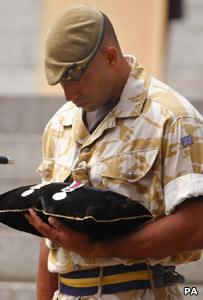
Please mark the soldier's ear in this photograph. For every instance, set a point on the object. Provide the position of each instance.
(111, 56)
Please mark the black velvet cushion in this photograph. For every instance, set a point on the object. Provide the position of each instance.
(99, 213)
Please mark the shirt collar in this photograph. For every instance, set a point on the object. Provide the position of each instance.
(135, 91)
(132, 98)
(69, 114)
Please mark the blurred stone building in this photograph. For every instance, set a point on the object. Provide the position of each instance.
(174, 55)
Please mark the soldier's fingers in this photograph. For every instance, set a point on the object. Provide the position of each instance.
(44, 228)
(55, 223)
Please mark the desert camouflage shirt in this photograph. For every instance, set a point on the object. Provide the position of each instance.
(148, 147)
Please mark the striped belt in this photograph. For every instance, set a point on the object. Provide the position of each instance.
(112, 279)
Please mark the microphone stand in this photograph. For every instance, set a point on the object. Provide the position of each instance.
(4, 160)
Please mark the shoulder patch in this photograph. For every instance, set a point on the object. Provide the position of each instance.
(186, 140)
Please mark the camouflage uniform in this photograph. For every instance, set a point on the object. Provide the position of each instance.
(148, 147)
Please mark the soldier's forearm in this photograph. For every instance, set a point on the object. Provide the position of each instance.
(171, 235)
(46, 282)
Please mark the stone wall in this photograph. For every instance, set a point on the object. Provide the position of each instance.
(184, 59)
(22, 120)
(19, 32)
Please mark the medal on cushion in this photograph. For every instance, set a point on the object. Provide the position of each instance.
(62, 194)
(27, 193)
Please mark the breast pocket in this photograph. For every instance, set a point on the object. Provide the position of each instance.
(127, 167)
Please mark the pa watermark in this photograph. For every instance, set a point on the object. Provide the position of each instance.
(190, 291)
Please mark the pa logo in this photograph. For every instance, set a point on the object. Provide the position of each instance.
(190, 291)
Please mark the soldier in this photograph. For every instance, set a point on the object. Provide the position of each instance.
(123, 130)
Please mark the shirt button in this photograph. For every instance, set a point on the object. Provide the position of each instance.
(82, 165)
(77, 267)
(86, 149)
(130, 174)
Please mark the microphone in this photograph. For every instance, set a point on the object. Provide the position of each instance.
(4, 160)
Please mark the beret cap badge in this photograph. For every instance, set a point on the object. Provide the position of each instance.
(73, 73)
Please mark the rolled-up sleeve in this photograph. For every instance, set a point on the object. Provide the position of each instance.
(182, 154)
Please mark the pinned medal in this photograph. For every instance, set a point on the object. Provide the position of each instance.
(27, 193)
(62, 195)
(59, 196)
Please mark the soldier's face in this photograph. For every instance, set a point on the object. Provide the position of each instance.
(95, 87)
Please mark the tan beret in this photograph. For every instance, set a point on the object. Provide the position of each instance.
(72, 42)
